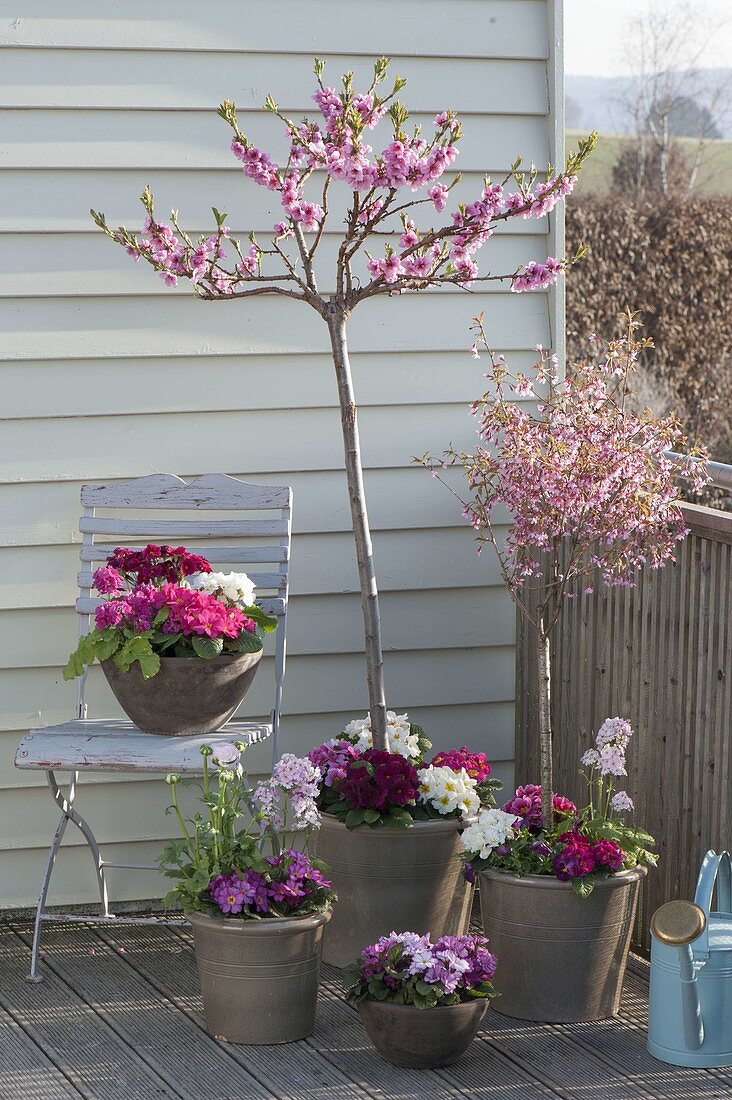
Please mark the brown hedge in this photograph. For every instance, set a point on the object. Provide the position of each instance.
(673, 261)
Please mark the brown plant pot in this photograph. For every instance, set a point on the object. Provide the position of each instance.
(187, 696)
(421, 1038)
(259, 978)
(561, 958)
(389, 879)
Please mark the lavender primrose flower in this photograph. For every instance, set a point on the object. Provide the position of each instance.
(411, 969)
(291, 881)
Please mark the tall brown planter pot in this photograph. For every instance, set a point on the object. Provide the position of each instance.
(187, 696)
(562, 957)
(259, 978)
(392, 880)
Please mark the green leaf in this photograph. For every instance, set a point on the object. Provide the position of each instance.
(371, 815)
(583, 886)
(139, 649)
(107, 643)
(247, 643)
(162, 616)
(354, 818)
(169, 640)
(268, 623)
(208, 648)
(398, 819)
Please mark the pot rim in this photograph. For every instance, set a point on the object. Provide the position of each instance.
(435, 825)
(222, 659)
(266, 926)
(550, 882)
(482, 1002)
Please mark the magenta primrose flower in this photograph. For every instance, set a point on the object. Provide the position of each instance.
(474, 763)
(378, 779)
(526, 805)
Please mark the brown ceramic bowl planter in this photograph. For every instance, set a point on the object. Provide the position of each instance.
(421, 1038)
(189, 695)
(259, 978)
(392, 878)
(563, 957)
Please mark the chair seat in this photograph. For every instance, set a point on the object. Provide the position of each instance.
(111, 745)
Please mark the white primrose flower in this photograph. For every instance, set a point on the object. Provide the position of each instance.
(398, 729)
(235, 587)
(492, 829)
(448, 790)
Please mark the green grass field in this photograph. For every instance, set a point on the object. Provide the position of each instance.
(715, 172)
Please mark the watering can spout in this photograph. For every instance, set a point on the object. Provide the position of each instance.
(678, 924)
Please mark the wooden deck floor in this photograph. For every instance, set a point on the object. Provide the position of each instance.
(113, 1024)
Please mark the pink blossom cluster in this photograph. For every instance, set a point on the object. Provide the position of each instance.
(175, 259)
(259, 167)
(537, 276)
(473, 226)
(583, 471)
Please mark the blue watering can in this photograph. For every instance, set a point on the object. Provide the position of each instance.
(690, 1008)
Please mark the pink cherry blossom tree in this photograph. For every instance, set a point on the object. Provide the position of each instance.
(385, 189)
(591, 494)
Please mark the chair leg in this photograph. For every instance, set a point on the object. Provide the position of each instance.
(33, 975)
(66, 804)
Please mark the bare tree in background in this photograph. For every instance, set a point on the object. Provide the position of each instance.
(671, 96)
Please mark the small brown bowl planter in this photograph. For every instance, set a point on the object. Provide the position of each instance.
(421, 1038)
(563, 957)
(259, 978)
(189, 695)
(392, 878)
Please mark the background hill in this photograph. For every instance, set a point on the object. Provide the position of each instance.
(714, 178)
(599, 102)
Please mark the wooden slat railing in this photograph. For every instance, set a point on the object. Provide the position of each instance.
(660, 655)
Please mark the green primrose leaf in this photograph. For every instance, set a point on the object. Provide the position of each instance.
(583, 886)
(208, 648)
(138, 648)
(246, 643)
(354, 818)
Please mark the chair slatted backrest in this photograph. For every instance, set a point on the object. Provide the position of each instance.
(212, 492)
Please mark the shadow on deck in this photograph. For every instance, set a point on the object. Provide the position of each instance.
(119, 1018)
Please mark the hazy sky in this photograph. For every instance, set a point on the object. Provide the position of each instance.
(594, 34)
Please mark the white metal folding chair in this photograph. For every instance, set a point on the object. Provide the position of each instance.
(93, 745)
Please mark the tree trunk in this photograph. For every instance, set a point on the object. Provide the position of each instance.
(362, 533)
(543, 669)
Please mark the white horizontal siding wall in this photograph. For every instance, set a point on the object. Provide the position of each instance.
(105, 374)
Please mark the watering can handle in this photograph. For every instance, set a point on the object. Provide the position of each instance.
(715, 868)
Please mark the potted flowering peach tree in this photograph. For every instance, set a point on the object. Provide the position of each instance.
(386, 191)
(592, 498)
(178, 643)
